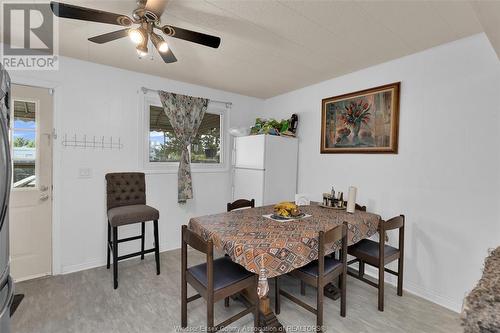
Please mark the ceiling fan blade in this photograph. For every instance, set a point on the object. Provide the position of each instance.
(168, 57)
(110, 36)
(88, 14)
(192, 36)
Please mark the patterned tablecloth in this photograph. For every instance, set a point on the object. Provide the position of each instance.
(270, 248)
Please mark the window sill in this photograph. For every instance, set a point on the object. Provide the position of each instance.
(170, 170)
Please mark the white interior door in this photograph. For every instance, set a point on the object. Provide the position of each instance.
(31, 197)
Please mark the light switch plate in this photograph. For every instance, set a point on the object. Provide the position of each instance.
(84, 173)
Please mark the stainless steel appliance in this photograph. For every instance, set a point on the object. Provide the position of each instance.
(6, 283)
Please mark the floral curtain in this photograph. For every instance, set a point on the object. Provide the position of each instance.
(185, 114)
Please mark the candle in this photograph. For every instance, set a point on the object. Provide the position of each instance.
(351, 200)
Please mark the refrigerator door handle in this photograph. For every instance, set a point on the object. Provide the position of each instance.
(10, 298)
(6, 189)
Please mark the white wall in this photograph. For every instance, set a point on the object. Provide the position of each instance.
(446, 177)
(99, 100)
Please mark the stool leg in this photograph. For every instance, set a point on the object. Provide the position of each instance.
(157, 247)
(115, 257)
(107, 246)
(143, 227)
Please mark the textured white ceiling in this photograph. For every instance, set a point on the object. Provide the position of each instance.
(271, 47)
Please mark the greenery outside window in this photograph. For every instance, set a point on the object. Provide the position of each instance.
(206, 147)
(24, 144)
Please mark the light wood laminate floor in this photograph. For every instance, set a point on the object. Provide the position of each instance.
(85, 302)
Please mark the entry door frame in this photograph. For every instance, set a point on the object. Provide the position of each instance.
(56, 158)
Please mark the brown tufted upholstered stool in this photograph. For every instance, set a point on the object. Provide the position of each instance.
(126, 201)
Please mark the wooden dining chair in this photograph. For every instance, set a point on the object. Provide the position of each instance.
(240, 203)
(334, 254)
(377, 254)
(214, 280)
(359, 207)
(319, 273)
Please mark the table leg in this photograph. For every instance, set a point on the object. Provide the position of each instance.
(267, 321)
(331, 291)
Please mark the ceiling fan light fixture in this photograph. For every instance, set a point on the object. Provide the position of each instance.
(142, 53)
(142, 50)
(137, 36)
(160, 44)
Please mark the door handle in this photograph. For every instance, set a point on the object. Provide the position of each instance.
(8, 169)
(44, 188)
(44, 197)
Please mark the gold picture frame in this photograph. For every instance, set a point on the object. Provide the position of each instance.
(365, 121)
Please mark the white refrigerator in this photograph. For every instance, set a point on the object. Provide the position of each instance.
(265, 168)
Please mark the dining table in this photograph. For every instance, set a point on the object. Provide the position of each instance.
(270, 248)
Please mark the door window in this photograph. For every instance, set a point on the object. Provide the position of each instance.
(24, 144)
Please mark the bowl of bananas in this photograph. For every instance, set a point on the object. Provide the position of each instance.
(287, 211)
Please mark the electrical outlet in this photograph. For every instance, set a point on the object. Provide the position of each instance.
(84, 173)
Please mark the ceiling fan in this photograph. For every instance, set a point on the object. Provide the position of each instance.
(147, 17)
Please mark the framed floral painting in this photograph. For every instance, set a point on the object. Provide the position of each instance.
(364, 121)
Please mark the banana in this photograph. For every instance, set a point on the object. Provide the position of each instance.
(286, 209)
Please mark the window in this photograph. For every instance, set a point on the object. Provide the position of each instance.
(206, 147)
(24, 144)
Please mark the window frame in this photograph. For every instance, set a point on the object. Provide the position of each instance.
(172, 167)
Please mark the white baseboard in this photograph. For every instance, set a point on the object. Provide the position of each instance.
(31, 277)
(99, 262)
(84, 266)
(417, 290)
(433, 296)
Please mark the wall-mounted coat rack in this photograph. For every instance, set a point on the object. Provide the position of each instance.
(93, 143)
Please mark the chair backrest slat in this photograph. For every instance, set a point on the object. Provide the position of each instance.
(394, 223)
(331, 236)
(240, 203)
(334, 235)
(194, 240)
